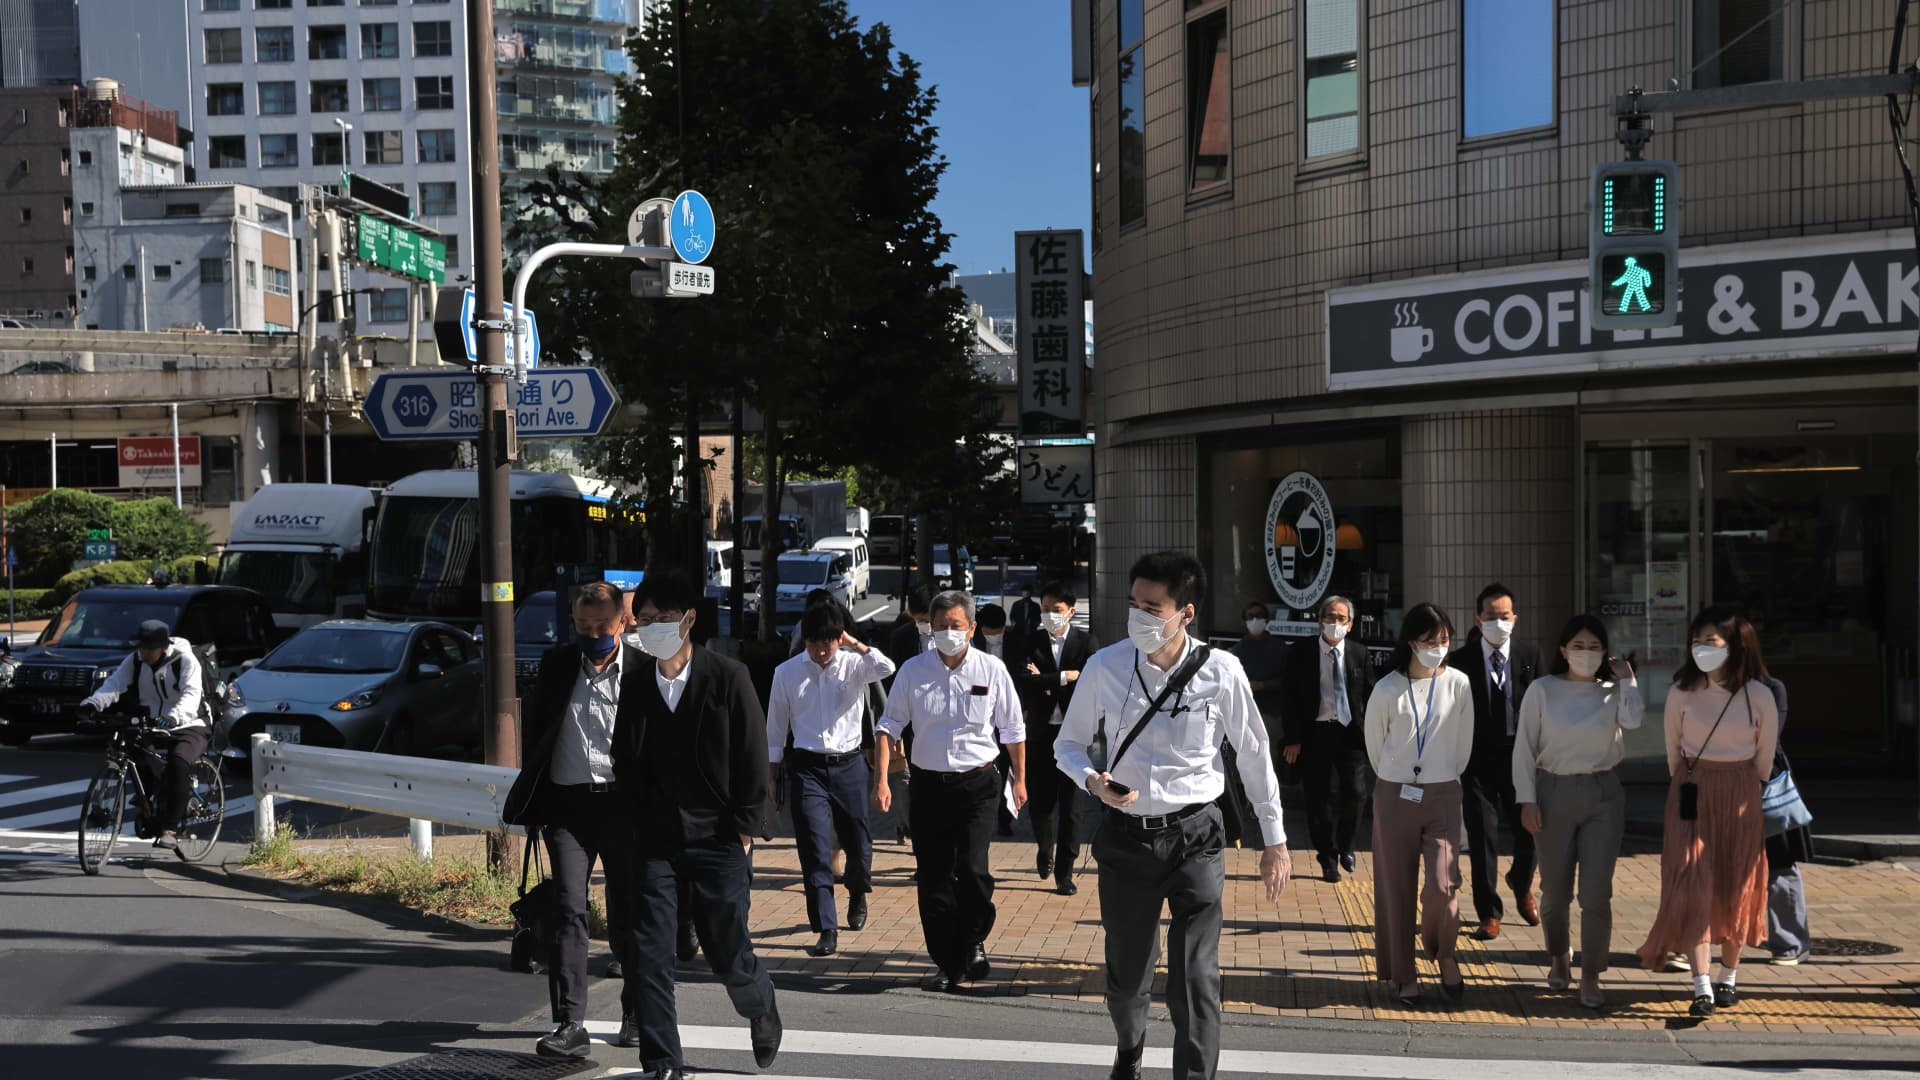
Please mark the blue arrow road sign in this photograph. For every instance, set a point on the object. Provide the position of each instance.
(554, 403)
(473, 346)
(690, 227)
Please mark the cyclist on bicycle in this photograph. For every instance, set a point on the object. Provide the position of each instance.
(167, 677)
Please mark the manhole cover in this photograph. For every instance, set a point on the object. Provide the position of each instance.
(1823, 946)
(475, 1065)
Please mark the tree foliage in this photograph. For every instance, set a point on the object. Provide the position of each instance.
(50, 531)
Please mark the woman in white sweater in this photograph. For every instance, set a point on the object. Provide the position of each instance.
(1419, 731)
(1564, 753)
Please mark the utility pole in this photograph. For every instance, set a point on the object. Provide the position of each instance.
(499, 727)
(694, 474)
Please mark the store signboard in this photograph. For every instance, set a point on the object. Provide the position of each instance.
(1051, 333)
(148, 462)
(1833, 296)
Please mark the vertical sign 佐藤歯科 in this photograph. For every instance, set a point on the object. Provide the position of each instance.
(1050, 290)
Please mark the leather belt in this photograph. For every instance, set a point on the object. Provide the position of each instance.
(1157, 822)
(823, 759)
(952, 777)
(596, 787)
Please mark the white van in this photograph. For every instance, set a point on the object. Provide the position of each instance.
(859, 561)
(719, 566)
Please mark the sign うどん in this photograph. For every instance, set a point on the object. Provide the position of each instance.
(1775, 300)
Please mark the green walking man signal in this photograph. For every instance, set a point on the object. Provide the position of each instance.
(1633, 246)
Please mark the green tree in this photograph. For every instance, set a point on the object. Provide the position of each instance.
(51, 531)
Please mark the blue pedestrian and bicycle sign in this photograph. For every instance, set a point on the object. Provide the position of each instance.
(554, 403)
(690, 227)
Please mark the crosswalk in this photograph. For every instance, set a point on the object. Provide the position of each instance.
(35, 813)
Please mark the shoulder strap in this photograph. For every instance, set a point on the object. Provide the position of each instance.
(1716, 727)
(1175, 685)
(529, 842)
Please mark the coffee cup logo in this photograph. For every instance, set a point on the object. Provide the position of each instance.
(1300, 525)
(1408, 340)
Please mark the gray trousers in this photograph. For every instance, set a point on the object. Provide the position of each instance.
(1180, 867)
(1787, 912)
(1583, 820)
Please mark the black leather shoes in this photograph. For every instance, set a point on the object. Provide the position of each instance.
(629, 1031)
(1126, 1063)
(1043, 865)
(615, 969)
(568, 1040)
(1064, 885)
(1702, 1006)
(669, 1072)
(766, 1035)
(1329, 869)
(1349, 863)
(688, 945)
(1724, 996)
(938, 982)
(828, 944)
(857, 911)
(977, 967)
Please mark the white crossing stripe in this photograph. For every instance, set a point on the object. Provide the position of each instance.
(6, 779)
(70, 815)
(40, 794)
(1250, 1062)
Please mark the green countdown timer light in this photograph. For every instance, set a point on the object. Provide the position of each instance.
(1633, 282)
(1634, 204)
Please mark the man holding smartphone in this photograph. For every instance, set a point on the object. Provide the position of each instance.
(1157, 708)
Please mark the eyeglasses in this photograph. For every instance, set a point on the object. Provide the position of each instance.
(1332, 618)
(662, 617)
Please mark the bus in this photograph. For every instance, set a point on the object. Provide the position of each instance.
(426, 557)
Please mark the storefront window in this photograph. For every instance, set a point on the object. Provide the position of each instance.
(1638, 544)
(1360, 477)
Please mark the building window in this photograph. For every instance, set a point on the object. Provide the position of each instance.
(253, 275)
(380, 95)
(279, 282)
(433, 39)
(89, 272)
(435, 147)
(327, 149)
(162, 272)
(1332, 69)
(433, 92)
(279, 151)
(328, 97)
(1133, 113)
(66, 210)
(26, 215)
(223, 152)
(452, 242)
(26, 264)
(387, 306)
(274, 5)
(278, 99)
(384, 148)
(1736, 42)
(326, 43)
(323, 305)
(438, 198)
(128, 272)
(184, 209)
(226, 99)
(69, 262)
(1209, 98)
(86, 159)
(378, 3)
(326, 3)
(213, 271)
(86, 209)
(219, 5)
(66, 162)
(223, 46)
(273, 45)
(380, 41)
(1506, 68)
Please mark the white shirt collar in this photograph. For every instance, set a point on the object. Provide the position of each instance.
(1488, 648)
(1339, 647)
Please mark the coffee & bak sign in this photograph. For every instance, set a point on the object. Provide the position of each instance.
(1834, 296)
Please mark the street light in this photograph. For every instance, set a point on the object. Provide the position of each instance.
(326, 391)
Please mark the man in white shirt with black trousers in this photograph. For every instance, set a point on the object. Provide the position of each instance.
(819, 697)
(1162, 841)
(955, 699)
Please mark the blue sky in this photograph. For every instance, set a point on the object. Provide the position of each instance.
(1012, 124)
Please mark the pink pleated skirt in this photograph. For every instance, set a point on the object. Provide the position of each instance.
(1713, 870)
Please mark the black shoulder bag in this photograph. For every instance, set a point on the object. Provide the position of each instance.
(1177, 684)
(533, 912)
(1690, 791)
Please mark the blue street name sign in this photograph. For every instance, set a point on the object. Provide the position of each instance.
(690, 227)
(527, 320)
(103, 550)
(554, 403)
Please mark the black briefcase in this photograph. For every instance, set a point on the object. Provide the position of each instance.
(533, 913)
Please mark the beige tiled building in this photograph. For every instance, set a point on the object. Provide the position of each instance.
(1348, 238)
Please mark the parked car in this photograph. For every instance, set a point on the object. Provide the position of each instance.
(355, 684)
(859, 562)
(891, 537)
(951, 572)
(804, 572)
(536, 628)
(94, 632)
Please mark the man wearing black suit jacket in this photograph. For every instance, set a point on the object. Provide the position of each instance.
(1500, 669)
(913, 635)
(1323, 708)
(692, 758)
(1046, 679)
(567, 788)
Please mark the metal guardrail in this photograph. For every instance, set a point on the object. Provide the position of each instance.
(421, 790)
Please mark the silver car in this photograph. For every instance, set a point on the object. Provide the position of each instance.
(400, 688)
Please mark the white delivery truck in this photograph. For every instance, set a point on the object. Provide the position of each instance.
(810, 510)
(304, 548)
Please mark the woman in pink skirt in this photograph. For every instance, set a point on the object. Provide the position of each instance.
(1721, 729)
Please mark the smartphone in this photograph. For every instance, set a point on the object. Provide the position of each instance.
(1119, 788)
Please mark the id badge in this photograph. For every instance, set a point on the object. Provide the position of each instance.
(1412, 794)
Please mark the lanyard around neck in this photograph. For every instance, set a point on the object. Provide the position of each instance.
(1422, 729)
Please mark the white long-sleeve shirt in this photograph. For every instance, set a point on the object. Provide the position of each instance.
(955, 712)
(1400, 719)
(170, 691)
(821, 706)
(1176, 761)
(1572, 727)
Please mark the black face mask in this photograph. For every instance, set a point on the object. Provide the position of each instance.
(597, 648)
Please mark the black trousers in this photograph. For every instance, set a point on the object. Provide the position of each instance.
(719, 881)
(1051, 799)
(1334, 773)
(952, 817)
(828, 801)
(585, 826)
(171, 782)
(1487, 796)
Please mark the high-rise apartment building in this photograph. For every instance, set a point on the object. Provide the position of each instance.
(39, 43)
(557, 65)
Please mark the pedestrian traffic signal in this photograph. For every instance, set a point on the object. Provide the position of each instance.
(1633, 246)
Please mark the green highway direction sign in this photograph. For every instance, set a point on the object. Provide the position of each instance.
(400, 250)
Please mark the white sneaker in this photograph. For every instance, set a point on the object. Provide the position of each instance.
(1677, 962)
(1790, 959)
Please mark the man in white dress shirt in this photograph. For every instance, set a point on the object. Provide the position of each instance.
(1161, 844)
(818, 697)
(954, 699)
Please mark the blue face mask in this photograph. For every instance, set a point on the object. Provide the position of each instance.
(597, 648)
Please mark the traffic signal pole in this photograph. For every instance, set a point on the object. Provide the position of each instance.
(499, 728)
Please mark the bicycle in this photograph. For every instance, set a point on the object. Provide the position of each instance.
(130, 753)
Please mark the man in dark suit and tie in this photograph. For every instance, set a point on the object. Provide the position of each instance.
(1500, 669)
(1046, 679)
(1023, 620)
(912, 635)
(1322, 707)
(566, 788)
(692, 760)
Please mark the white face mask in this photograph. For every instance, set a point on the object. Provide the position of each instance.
(1496, 631)
(925, 629)
(1055, 621)
(950, 642)
(1584, 663)
(1431, 656)
(1709, 658)
(660, 640)
(1148, 632)
(1256, 626)
(1335, 632)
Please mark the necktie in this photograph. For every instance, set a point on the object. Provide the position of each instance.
(1498, 662)
(1340, 703)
